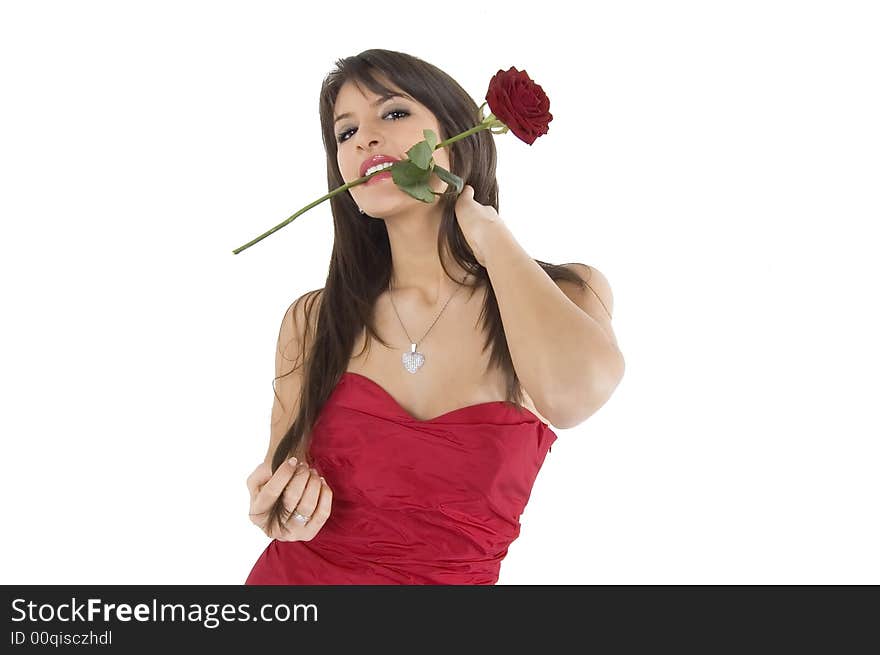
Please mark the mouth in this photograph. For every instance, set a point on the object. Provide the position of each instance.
(377, 160)
(378, 177)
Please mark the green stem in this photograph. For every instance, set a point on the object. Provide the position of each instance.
(487, 124)
(340, 189)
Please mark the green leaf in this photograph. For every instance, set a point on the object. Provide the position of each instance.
(431, 138)
(419, 191)
(412, 179)
(450, 178)
(407, 173)
(421, 154)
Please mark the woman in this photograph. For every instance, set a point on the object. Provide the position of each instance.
(410, 462)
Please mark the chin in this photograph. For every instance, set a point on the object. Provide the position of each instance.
(387, 208)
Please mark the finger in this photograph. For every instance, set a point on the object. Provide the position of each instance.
(291, 528)
(293, 492)
(258, 478)
(290, 497)
(259, 475)
(320, 514)
(268, 493)
(297, 531)
(309, 499)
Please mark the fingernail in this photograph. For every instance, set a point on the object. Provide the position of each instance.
(292, 461)
(323, 480)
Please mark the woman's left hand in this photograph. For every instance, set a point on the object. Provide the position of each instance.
(477, 222)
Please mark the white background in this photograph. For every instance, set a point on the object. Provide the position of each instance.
(718, 162)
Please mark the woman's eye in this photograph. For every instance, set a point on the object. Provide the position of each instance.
(340, 138)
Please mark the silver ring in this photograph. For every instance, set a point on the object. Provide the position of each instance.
(302, 519)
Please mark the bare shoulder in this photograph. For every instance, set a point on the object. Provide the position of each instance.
(298, 324)
(294, 339)
(594, 296)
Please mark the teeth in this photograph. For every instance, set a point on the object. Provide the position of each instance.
(379, 167)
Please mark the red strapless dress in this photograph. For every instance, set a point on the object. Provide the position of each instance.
(414, 502)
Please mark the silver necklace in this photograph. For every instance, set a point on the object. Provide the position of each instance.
(413, 360)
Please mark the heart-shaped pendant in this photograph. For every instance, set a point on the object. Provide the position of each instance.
(412, 361)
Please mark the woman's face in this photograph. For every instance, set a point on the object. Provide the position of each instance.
(377, 126)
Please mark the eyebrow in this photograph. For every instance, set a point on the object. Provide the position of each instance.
(378, 102)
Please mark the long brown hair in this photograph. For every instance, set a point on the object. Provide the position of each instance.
(360, 262)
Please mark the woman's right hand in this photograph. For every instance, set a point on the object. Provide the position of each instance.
(302, 491)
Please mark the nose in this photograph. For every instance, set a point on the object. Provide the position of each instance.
(371, 144)
(368, 136)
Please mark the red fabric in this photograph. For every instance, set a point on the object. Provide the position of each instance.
(414, 502)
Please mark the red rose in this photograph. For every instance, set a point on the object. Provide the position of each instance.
(521, 104)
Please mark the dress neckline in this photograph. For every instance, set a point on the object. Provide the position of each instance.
(489, 403)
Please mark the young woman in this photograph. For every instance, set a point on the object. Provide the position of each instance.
(416, 388)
